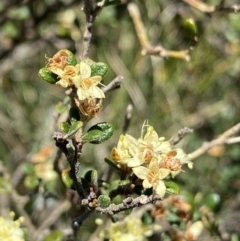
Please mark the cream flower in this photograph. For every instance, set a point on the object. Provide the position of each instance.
(10, 230)
(64, 75)
(122, 154)
(130, 229)
(152, 176)
(87, 85)
(149, 146)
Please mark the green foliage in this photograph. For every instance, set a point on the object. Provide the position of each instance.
(98, 133)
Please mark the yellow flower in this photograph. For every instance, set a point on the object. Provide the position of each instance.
(121, 154)
(10, 230)
(64, 75)
(149, 147)
(130, 229)
(152, 176)
(85, 84)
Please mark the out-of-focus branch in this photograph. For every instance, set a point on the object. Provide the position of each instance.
(146, 46)
(181, 133)
(205, 8)
(222, 139)
(91, 11)
(114, 84)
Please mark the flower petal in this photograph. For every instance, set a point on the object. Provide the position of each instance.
(141, 172)
(85, 70)
(160, 188)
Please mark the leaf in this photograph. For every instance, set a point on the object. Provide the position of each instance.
(67, 180)
(64, 127)
(31, 182)
(112, 164)
(212, 201)
(123, 182)
(99, 68)
(98, 133)
(61, 107)
(104, 201)
(74, 128)
(92, 177)
(172, 187)
(71, 58)
(47, 75)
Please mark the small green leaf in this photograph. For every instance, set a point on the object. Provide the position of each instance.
(74, 114)
(47, 75)
(212, 201)
(29, 168)
(64, 127)
(60, 107)
(98, 133)
(31, 182)
(71, 58)
(67, 180)
(99, 68)
(172, 187)
(123, 182)
(55, 235)
(190, 26)
(74, 128)
(128, 211)
(112, 164)
(92, 177)
(104, 201)
(147, 218)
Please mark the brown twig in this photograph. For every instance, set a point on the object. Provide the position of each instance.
(181, 133)
(205, 8)
(114, 84)
(91, 11)
(222, 139)
(146, 46)
(129, 203)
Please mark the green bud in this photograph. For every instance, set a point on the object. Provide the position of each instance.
(47, 75)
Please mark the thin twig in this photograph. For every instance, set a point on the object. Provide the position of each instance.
(181, 133)
(129, 203)
(205, 8)
(52, 217)
(127, 118)
(222, 139)
(114, 84)
(146, 46)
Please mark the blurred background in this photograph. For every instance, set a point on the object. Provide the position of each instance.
(202, 94)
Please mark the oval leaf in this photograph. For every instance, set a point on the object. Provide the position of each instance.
(99, 68)
(104, 201)
(71, 58)
(67, 180)
(47, 75)
(64, 127)
(112, 164)
(98, 133)
(74, 128)
(172, 187)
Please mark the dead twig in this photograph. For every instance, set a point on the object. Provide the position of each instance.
(181, 133)
(205, 8)
(114, 84)
(146, 46)
(222, 139)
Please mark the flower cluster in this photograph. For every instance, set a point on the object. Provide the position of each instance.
(150, 157)
(80, 76)
(10, 230)
(131, 229)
